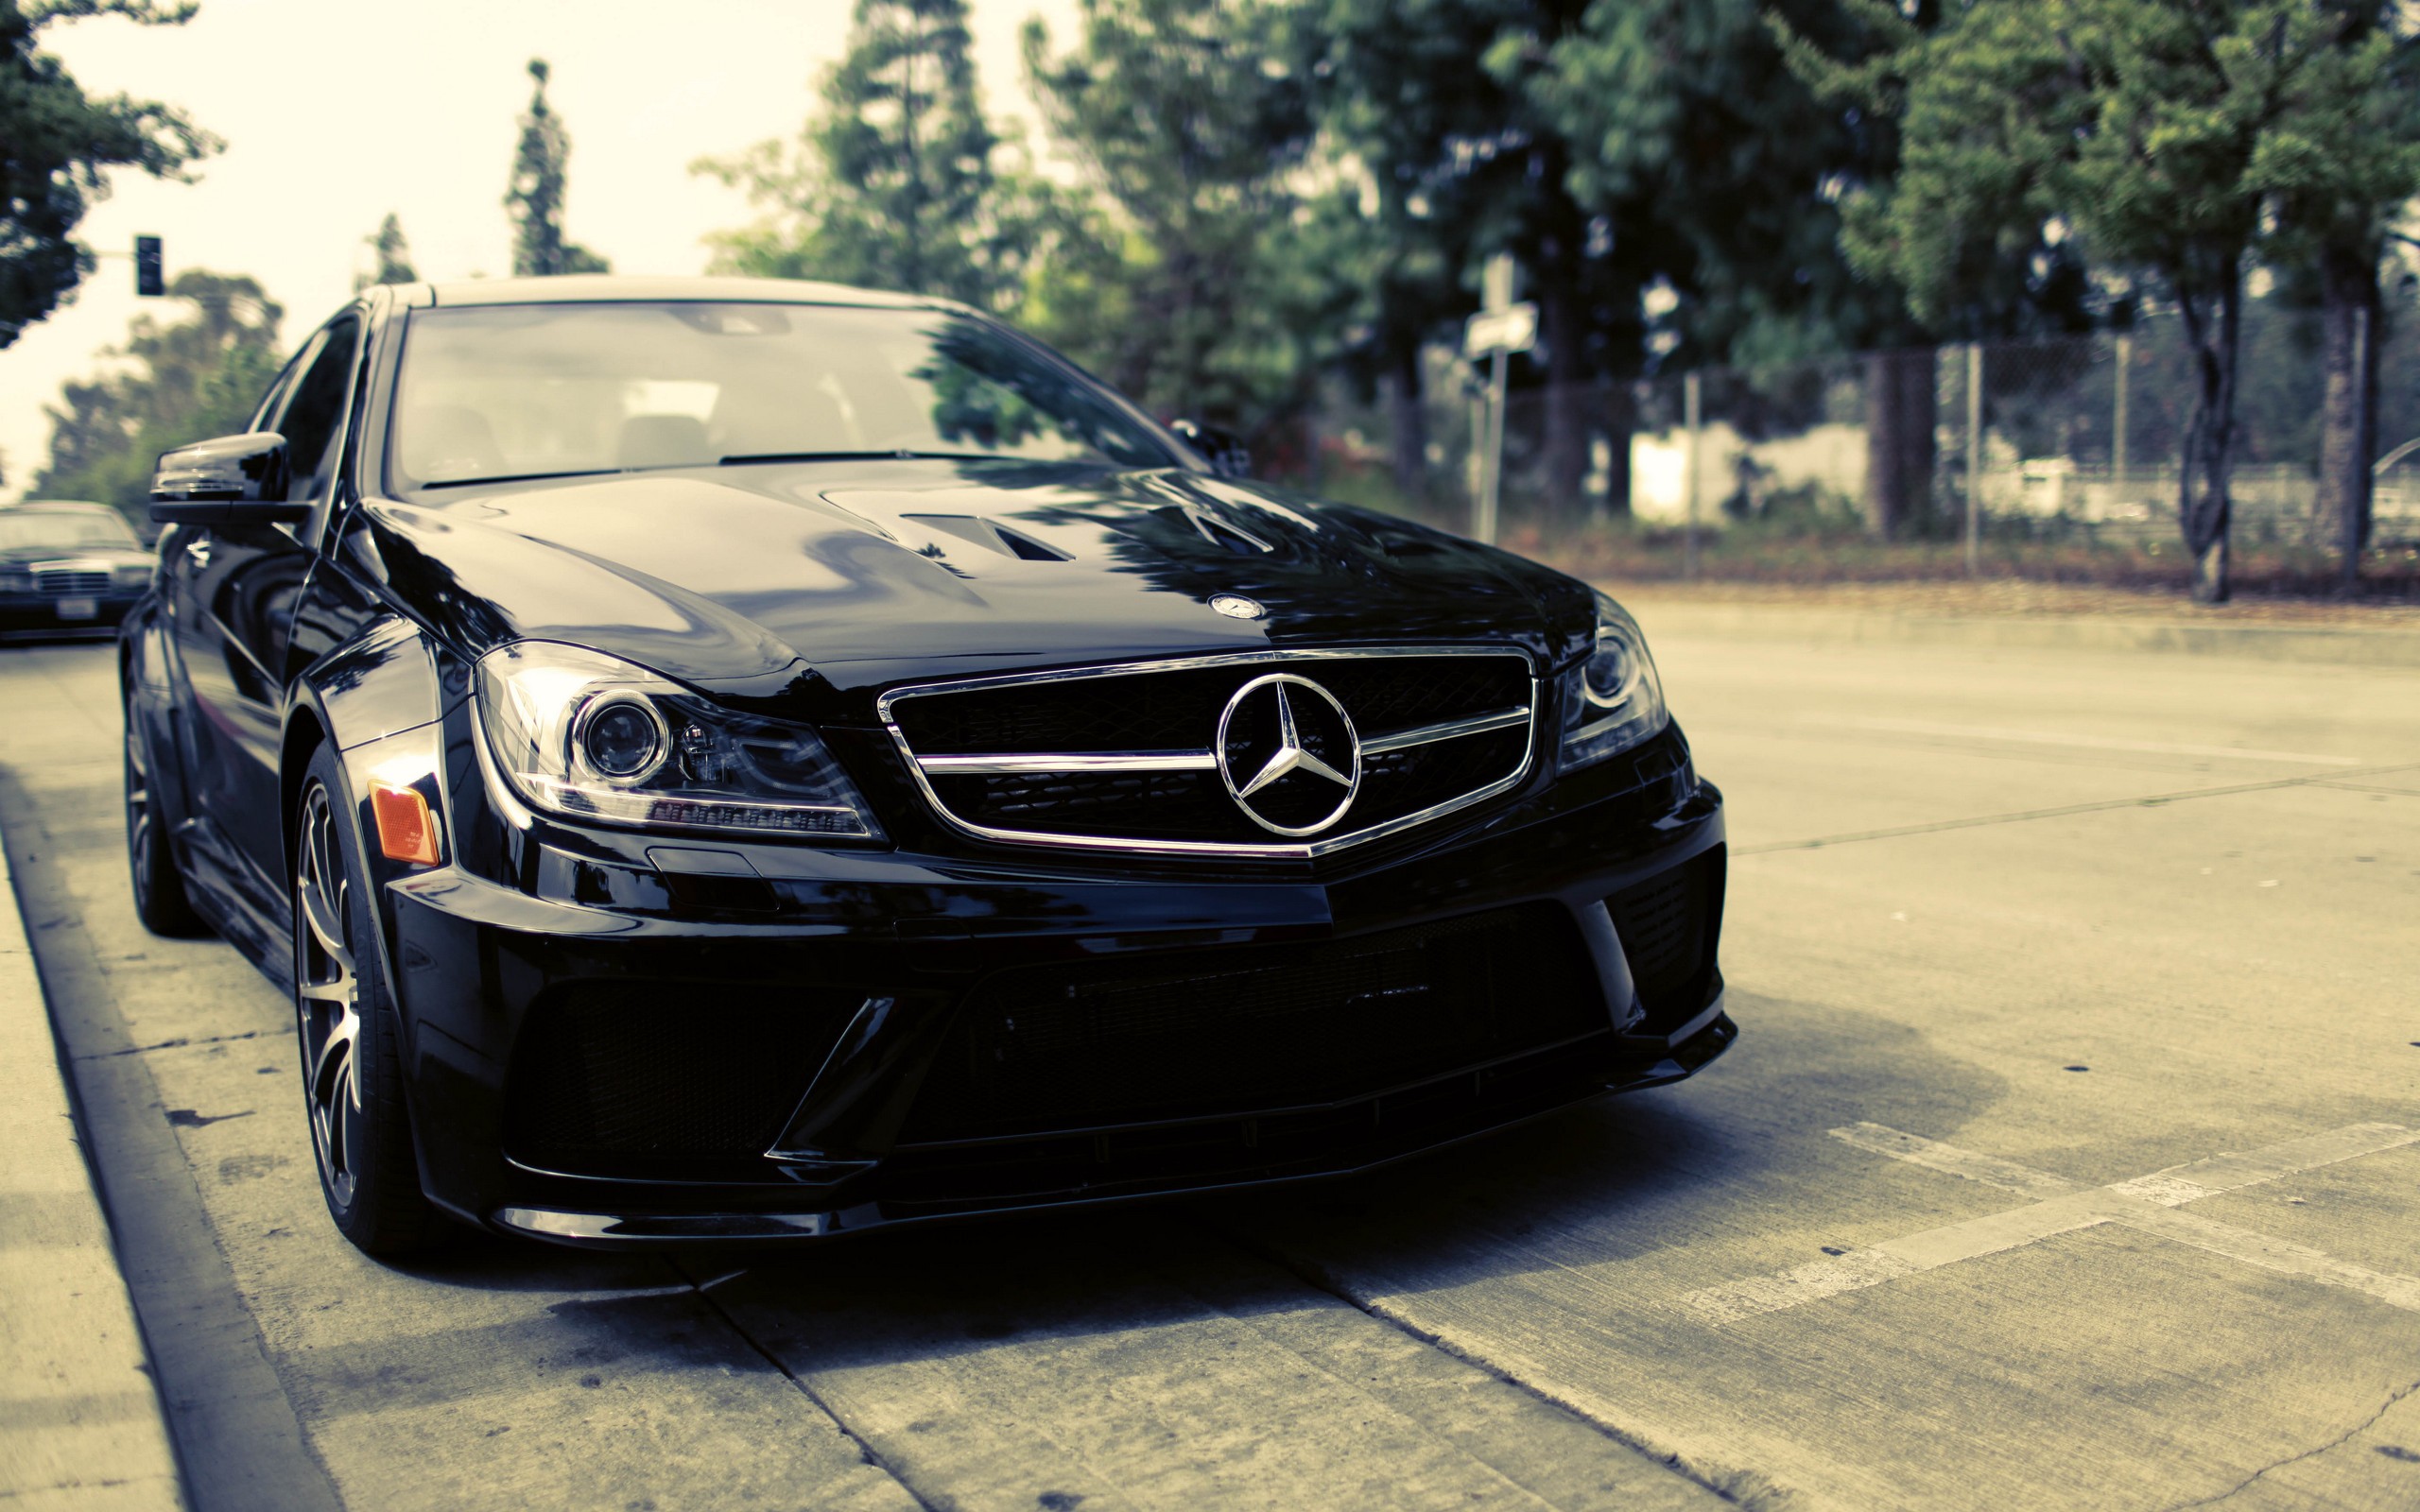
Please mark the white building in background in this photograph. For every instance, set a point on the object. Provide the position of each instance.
(1830, 456)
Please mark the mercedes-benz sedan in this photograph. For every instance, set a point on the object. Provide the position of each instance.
(728, 760)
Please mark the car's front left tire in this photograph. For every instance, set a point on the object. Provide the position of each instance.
(352, 1057)
(160, 900)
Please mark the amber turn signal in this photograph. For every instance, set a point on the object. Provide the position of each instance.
(405, 830)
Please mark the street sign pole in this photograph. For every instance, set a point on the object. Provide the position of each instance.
(1692, 394)
(1491, 459)
(1500, 329)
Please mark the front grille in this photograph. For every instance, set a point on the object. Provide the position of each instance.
(72, 584)
(1024, 759)
(1668, 925)
(636, 1078)
(1255, 1028)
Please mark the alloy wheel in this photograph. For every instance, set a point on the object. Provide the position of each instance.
(327, 997)
(141, 829)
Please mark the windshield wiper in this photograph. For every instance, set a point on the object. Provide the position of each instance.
(522, 478)
(894, 453)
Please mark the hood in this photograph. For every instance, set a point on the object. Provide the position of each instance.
(742, 576)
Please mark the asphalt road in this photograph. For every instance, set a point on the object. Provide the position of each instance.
(2010, 931)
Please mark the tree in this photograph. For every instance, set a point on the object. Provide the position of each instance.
(395, 256)
(2340, 167)
(188, 380)
(1459, 162)
(56, 146)
(1690, 131)
(535, 197)
(893, 184)
(1190, 119)
(2145, 127)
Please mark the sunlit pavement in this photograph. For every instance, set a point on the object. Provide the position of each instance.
(2022, 943)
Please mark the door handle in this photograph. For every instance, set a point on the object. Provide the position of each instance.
(197, 551)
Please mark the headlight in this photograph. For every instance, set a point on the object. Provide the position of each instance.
(130, 577)
(17, 582)
(583, 734)
(1613, 701)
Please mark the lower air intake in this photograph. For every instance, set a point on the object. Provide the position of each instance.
(1667, 926)
(634, 1078)
(1243, 1029)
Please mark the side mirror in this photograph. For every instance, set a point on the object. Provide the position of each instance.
(1223, 450)
(233, 480)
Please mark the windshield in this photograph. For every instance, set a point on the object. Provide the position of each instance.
(539, 391)
(21, 529)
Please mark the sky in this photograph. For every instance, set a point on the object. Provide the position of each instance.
(336, 112)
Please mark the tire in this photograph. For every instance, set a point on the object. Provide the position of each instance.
(353, 1087)
(159, 899)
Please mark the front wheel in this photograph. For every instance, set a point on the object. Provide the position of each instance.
(159, 888)
(352, 1064)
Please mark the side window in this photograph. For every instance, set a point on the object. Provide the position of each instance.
(264, 417)
(312, 423)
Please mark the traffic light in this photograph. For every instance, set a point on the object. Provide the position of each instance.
(147, 281)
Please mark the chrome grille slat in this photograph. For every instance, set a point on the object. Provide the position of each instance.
(71, 582)
(1017, 795)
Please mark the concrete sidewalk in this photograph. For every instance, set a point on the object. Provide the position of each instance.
(80, 1423)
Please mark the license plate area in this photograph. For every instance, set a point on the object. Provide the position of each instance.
(80, 609)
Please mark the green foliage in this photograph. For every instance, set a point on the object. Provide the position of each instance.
(896, 183)
(2174, 139)
(535, 197)
(395, 256)
(180, 382)
(1193, 281)
(56, 145)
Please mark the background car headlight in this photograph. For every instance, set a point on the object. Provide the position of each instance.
(1613, 701)
(17, 582)
(583, 734)
(128, 578)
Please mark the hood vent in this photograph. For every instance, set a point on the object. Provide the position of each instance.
(1218, 532)
(989, 534)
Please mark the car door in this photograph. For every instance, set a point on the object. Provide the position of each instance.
(236, 588)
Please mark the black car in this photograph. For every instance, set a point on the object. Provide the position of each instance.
(726, 760)
(66, 565)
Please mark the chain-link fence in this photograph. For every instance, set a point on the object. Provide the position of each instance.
(2074, 438)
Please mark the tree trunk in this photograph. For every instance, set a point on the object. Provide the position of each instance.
(1622, 426)
(1406, 424)
(1565, 451)
(2204, 504)
(2349, 408)
(1900, 442)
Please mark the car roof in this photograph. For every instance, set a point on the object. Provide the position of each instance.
(605, 288)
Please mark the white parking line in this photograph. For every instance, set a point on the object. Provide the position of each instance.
(2047, 737)
(2146, 1203)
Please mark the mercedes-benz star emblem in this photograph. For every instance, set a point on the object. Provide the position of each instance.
(1236, 607)
(1284, 747)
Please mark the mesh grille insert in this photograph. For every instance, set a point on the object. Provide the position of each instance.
(1667, 926)
(1185, 1033)
(627, 1077)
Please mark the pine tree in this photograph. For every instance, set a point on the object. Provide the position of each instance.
(395, 256)
(893, 184)
(535, 198)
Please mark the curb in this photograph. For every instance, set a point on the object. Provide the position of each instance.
(2261, 643)
(80, 1420)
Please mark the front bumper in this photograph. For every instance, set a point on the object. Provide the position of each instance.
(844, 997)
(56, 615)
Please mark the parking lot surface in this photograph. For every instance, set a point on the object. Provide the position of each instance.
(2069, 1157)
